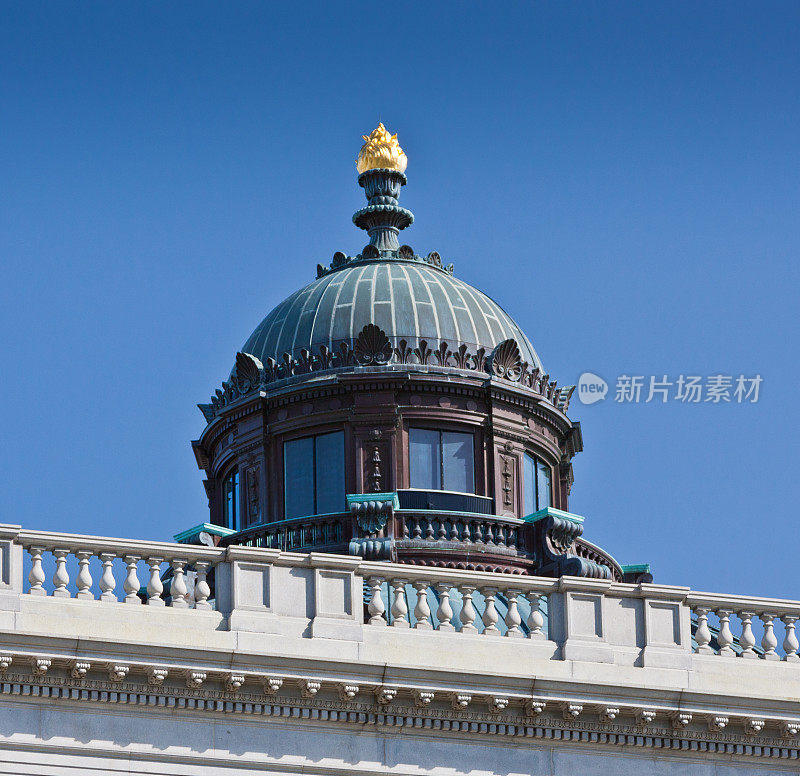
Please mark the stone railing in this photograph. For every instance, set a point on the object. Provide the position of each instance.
(78, 565)
(344, 597)
(765, 615)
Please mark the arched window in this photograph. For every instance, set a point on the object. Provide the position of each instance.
(313, 475)
(536, 482)
(230, 500)
(441, 460)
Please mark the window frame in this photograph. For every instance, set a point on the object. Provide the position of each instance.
(314, 485)
(235, 473)
(537, 461)
(441, 431)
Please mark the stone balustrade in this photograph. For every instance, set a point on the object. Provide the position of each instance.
(254, 589)
(756, 636)
(146, 565)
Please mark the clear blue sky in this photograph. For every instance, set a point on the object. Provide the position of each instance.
(621, 177)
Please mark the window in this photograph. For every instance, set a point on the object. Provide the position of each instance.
(536, 480)
(230, 500)
(313, 475)
(442, 460)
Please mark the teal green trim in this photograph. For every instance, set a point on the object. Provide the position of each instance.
(636, 568)
(360, 498)
(191, 534)
(551, 512)
(434, 512)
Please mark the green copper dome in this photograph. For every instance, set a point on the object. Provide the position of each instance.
(409, 300)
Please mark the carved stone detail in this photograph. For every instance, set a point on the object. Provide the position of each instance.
(506, 361)
(372, 346)
(645, 716)
(348, 691)
(157, 676)
(272, 684)
(117, 672)
(234, 682)
(386, 695)
(41, 666)
(80, 668)
(195, 678)
(534, 707)
(497, 704)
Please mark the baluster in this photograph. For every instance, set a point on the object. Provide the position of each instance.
(107, 581)
(429, 529)
(444, 612)
(453, 530)
(422, 611)
(399, 605)
(406, 529)
(442, 530)
(36, 575)
(501, 536)
(725, 637)
(84, 578)
(747, 640)
(769, 641)
(477, 531)
(535, 621)
(417, 529)
(154, 585)
(511, 536)
(468, 613)
(490, 616)
(131, 583)
(376, 607)
(790, 643)
(61, 575)
(177, 588)
(513, 620)
(202, 590)
(489, 534)
(702, 634)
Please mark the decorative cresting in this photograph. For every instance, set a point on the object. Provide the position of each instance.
(381, 164)
(370, 253)
(373, 348)
(555, 536)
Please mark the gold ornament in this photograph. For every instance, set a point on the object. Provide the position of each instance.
(381, 151)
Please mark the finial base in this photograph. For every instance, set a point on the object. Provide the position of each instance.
(383, 218)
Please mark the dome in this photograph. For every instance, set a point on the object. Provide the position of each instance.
(408, 299)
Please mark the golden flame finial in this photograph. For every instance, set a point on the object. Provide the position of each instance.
(382, 151)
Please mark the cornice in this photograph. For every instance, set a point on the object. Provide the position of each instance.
(349, 701)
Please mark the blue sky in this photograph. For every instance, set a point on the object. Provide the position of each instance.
(621, 177)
